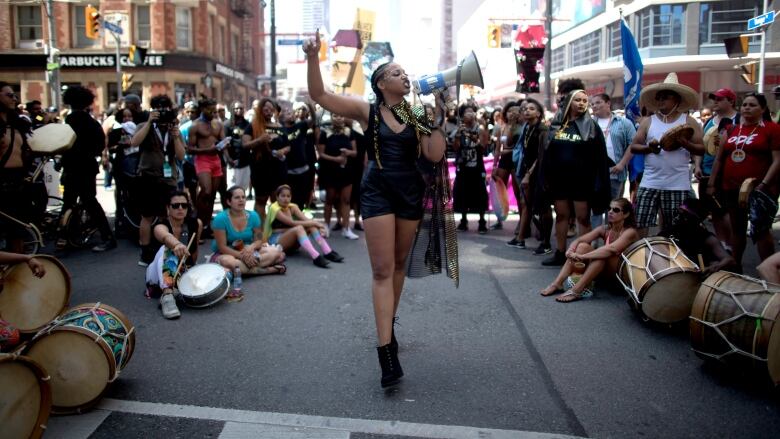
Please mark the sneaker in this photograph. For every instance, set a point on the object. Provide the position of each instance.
(321, 262)
(334, 257)
(349, 234)
(572, 232)
(168, 306)
(543, 249)
(518, 243)
(109, 244)
(558, 259)
(497, 226)
(463, 226)
(482, 229)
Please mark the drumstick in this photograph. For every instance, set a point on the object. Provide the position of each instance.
(178, 268)
(701, 262)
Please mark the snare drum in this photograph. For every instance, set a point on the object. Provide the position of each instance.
(660, 280)
(203, 285)
(734, 319)
(30, 303)
(51, 139)
(25, 399)
(84, 350)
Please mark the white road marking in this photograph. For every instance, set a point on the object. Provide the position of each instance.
(75, 426)
(239, 430)
(397, 428)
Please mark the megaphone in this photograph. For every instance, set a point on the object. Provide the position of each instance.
(466, 72)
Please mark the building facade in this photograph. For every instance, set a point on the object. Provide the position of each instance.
(194, 47)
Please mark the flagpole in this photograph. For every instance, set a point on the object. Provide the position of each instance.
(548, 18)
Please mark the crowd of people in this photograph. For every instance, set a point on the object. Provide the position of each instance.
(569, 171)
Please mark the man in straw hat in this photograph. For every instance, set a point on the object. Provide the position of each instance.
(666, 182)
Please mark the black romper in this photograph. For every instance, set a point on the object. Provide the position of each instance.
(398, 187)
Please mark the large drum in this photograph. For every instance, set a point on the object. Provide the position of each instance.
(25, 398)
(660, 280)
(204, 285)
(30, 303)
(734, 319)
(83, 350)
(51, 139)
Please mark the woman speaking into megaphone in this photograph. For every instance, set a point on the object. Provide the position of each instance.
(392, 188)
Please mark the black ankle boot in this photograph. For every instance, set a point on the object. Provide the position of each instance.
(391, 368)
(393, 341)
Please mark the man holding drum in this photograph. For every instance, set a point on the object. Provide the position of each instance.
(666, 181)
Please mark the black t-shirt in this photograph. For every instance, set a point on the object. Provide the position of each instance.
(90, 140)
(296, 134)
(188, 228)
(237, 151)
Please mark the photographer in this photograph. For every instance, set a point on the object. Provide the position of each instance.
(160, 145)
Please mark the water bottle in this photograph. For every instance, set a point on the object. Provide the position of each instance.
(237, 279)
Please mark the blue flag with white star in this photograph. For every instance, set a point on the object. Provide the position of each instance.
(632, 72)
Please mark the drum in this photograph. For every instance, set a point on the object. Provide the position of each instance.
(51, 139)
(25, 399)
(660, 280)
(84, 349)
(734, 319)
(203, 285)
(30, 303)
(671, 139)
(744, 191)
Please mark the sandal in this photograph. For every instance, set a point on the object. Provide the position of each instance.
(234, 296)
(280, 268)
(546, 292)
(569, 296)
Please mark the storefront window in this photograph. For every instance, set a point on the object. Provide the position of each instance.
(143, 24)
(30, 26)
(183, 28)
(586, 50)
(558, 59)
(719, 20)
(80, 29)
(661, 25)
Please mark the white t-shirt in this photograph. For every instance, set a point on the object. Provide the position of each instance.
(604, 124)
(668, 170)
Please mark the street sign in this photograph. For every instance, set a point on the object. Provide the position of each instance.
(761, 20)
(52, 66)
(115, 28)
(290, 42)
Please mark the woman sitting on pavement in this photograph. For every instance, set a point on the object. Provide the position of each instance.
(618, 234)
(288, 227)
(173, 238)
(238, 240)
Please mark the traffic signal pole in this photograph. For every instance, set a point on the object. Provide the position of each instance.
(117, 38)
(763, 53)
(54, 74)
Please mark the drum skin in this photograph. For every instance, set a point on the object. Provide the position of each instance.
(53, 138)
(662, 284)
(203, 285)
(25, 399)
(671, 140)
(30, 303)
(759, 337)
(84, 349)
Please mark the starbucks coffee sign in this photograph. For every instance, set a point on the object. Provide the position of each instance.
(106, 61)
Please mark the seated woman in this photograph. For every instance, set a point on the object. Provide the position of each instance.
(618, 234)
(174, 239)
(238, 241)
(287, 226)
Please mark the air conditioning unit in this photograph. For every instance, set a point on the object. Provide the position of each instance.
(31, 44)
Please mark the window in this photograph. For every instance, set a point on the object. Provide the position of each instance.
(143, 24)
(80, 29)
(222, 44)
(111, 88)
(234, 49)
(586, 50)
(614, 41)
(558, 59)
(29, 23)
(661, 25)
(183, 29)
(725, 20)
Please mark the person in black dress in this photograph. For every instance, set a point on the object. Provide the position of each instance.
(335, 147)
(392, 187)
(469, 190)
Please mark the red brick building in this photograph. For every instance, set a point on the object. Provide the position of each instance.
(209, 47)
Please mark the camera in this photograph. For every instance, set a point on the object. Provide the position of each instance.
(166, 115)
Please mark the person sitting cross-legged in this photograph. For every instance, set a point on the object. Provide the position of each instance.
(619, 232)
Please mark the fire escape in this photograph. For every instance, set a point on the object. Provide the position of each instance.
(243, 9)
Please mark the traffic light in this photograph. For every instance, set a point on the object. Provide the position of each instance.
(92, 20)
(136, 55)
(749, 73)
(127, 81)
(494, 36)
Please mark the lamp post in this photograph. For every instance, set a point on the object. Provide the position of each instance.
(53, 52)
(273, 48)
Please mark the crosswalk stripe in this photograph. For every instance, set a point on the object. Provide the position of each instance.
(75, 427)
(240, 430)
(397, 428)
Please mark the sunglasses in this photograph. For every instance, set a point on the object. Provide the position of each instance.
(179, 206)
(616, 210)
(11, 95)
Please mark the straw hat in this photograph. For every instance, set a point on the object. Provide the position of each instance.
(688, 96)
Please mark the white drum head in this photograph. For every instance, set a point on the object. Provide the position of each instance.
(201, 279)
(53, 138)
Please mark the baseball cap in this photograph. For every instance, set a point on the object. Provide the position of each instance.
(132, 98)
(776, 90)
(724, 93)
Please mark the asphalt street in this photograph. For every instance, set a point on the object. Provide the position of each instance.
(296, 358)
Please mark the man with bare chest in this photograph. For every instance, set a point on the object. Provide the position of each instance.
(205, 144)
(13, 131)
